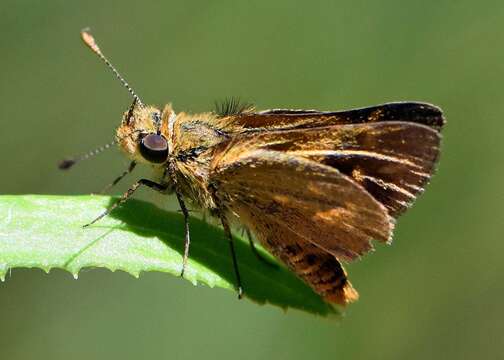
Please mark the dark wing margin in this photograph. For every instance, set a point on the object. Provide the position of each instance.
(393, 161)
(285, 119)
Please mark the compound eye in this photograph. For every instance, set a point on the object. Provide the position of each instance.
(154, 148)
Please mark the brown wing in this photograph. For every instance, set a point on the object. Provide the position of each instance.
(305, 213)
(318, 268)
(315, 185)
(392, 160)
(284, 119)
(314, 201)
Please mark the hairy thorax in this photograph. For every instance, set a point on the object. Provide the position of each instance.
(196, 140)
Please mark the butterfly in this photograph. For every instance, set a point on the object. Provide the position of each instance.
(313, 187)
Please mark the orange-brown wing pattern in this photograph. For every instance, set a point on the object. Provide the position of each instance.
(307, 214)
(392, 160)
(316, 202)
(318, 268)
(316, 187)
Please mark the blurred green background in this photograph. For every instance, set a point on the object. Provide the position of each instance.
(436, 293)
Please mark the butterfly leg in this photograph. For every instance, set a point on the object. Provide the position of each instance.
(256, 252)
(187, 237)
(119, 178)
(171, 171)
(151, 184)
(227, 231)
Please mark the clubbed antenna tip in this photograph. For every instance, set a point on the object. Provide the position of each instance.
(89, 40)
(66, 164)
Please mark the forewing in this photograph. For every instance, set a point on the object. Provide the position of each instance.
(392, 160)
(314, 202)
(285, 119)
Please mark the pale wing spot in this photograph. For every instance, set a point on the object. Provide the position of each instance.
(310, 269)
(422, 174)
(415, 187)
(283, 199)
(402, 203)
(331, 214)
(314, 189)
(389, 186)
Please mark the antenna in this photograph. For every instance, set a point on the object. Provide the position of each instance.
(91, 43)
(66, 164)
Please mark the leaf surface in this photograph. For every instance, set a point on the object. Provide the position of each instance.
(41, 231)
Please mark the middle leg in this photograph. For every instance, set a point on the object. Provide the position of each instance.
(227, 231)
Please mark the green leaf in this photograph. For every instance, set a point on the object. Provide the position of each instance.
(46, 232)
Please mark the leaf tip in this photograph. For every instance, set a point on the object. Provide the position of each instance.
(3, 271)
(135, 274)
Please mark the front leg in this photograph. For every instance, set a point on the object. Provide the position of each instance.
(151, 184)
(130, 168)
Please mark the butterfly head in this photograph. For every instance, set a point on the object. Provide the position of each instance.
(143, 135)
